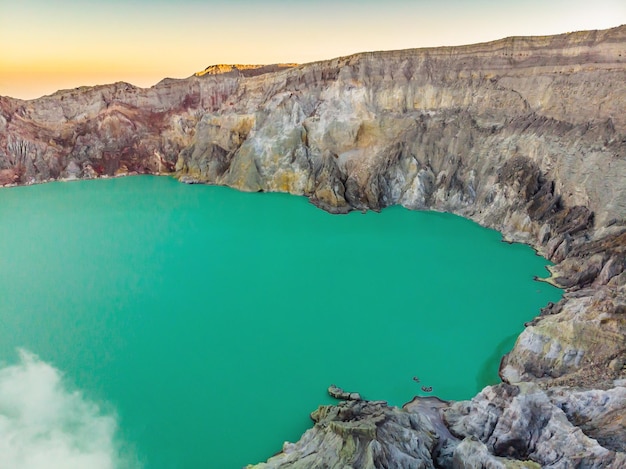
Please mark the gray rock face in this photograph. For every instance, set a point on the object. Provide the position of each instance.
(521, 422)
(524, 135)
(600, 414)
(363, 434)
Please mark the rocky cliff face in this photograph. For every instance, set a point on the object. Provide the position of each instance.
(524, 135)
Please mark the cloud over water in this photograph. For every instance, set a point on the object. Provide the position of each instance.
(45, 424)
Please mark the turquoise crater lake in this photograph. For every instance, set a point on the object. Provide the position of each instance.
(210, 322)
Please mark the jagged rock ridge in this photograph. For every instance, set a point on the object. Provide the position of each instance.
(524, 135)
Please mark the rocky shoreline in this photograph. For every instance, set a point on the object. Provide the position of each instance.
(523, 135)
(504, 426)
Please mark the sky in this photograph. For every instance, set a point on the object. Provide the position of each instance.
(50, 45)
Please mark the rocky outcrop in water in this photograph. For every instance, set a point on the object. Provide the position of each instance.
(339, 393)
(524, 135)
(366, 434)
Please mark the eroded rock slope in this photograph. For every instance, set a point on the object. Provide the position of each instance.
(524, 135)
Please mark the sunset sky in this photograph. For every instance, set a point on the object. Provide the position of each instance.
(49, 45)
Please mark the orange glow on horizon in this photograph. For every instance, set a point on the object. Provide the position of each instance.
(49, 46)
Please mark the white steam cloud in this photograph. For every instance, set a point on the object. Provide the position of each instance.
(44, 425)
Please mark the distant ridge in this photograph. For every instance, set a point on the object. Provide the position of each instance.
(243, 70)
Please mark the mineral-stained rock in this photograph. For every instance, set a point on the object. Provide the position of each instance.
(599, 414)
(522, 422)
(360, 434)
(472, 453)
(523, 135)
(582, 339)
(505, 426)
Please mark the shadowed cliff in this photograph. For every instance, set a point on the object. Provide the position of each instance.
(524, 135)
